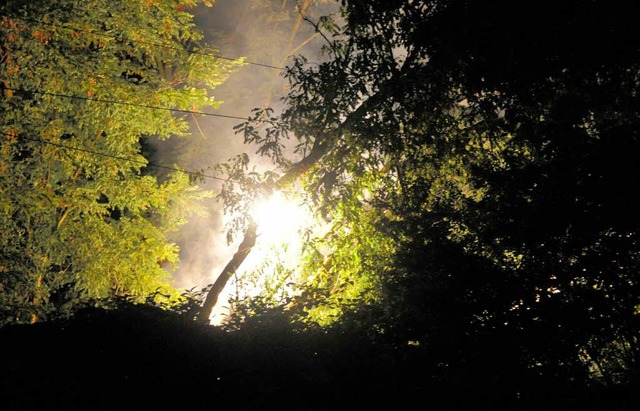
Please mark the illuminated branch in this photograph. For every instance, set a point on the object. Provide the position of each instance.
(232, 266)
(295, 171)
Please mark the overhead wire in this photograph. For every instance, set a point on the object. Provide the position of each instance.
(128, 159)
(103, 34)
(108, 101)
(125, 103)
(197, 174)
(139, 105)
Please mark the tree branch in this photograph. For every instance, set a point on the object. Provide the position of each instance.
(232, 266)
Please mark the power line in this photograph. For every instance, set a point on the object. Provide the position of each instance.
(106, 101)
(194, 173)
(125, 103)
(78, 30)
(131, 160)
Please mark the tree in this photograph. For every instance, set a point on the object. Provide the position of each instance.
(84, 85)
(478, 174)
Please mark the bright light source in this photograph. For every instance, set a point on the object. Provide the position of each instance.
(279, 219)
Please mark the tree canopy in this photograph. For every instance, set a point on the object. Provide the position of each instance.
(476, 164)
(84, 86)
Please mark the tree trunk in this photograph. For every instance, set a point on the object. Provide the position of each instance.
(232, 266)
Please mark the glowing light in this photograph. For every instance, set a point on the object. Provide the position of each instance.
(279, 219)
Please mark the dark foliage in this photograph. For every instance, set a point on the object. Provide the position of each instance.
(144, 357)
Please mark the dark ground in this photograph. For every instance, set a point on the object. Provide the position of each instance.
(145, 358)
